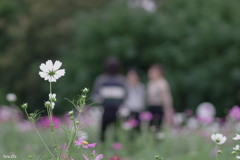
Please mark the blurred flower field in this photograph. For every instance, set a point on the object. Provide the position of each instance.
(189, 139)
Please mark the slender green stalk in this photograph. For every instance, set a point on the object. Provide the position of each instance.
(72, 139)
(52, 124)
(43, 142)
(216, 152)
(55, 141)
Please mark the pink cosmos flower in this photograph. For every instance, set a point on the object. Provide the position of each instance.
(83, 143)
(117, 146)
(100, 156)
(234, 113)
(206, 120)
(132, 122)
(45, 121)
(146, 116)
(114, 158)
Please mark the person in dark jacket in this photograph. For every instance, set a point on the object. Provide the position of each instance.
(110, 91)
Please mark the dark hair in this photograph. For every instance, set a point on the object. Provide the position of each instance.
(112, 66)
(134, 69)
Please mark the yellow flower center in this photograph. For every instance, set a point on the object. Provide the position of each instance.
(85, 143)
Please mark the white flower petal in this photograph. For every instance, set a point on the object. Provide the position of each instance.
(57, 65)
(52, 79)
(213, 137)
(43, 74)
(49, 65)
(237, 137)
(44, 68)
(53, 104)
(236, 148)
(60, 72)
(238, 157)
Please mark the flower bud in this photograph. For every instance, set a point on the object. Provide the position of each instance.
(25, 106)
(47, 104)
(77, 122)
(29, 157)
(219, 151)
(70, 113)
(85, 90)
(233, 153)
(72, 118)
(83, 97)
(52, 97)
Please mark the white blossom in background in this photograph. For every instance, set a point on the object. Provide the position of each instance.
(237, 148)
(11, 97)
(213, 128)
(148, 5)
(192, 123)
(50, 72)
(218, 138)
(124, 111)
(237, 137)
(206, 112)
(82, 134)
(179, 118)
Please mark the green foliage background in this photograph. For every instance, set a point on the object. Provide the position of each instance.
(196, 41)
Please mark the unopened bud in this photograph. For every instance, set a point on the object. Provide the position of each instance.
(85, 90)
(24, 106)
(72, 118)
(29, 157)
(77, 122)
(233, 153)
(219, 151)
(70, 113)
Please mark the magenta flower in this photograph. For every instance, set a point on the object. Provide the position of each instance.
(83, 143)
(132, 122)
(45, 121)
(115, 158)
(234, 113)
(117, 146)
(146, 116)
(100, 156)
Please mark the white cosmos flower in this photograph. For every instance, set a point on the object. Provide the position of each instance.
(237, 137)
(52, 97)
(237, 148)
(218, 138)
(50, 71)
(11, 97)
(238, 157)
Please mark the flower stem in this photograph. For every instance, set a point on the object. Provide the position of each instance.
(52, 124)
(43, 142)
(55, 141)
(216, 152)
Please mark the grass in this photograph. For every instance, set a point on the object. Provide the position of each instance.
(181, 145)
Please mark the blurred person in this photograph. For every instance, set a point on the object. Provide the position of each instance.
(159, 97)
(110, 91)
(135, 100)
